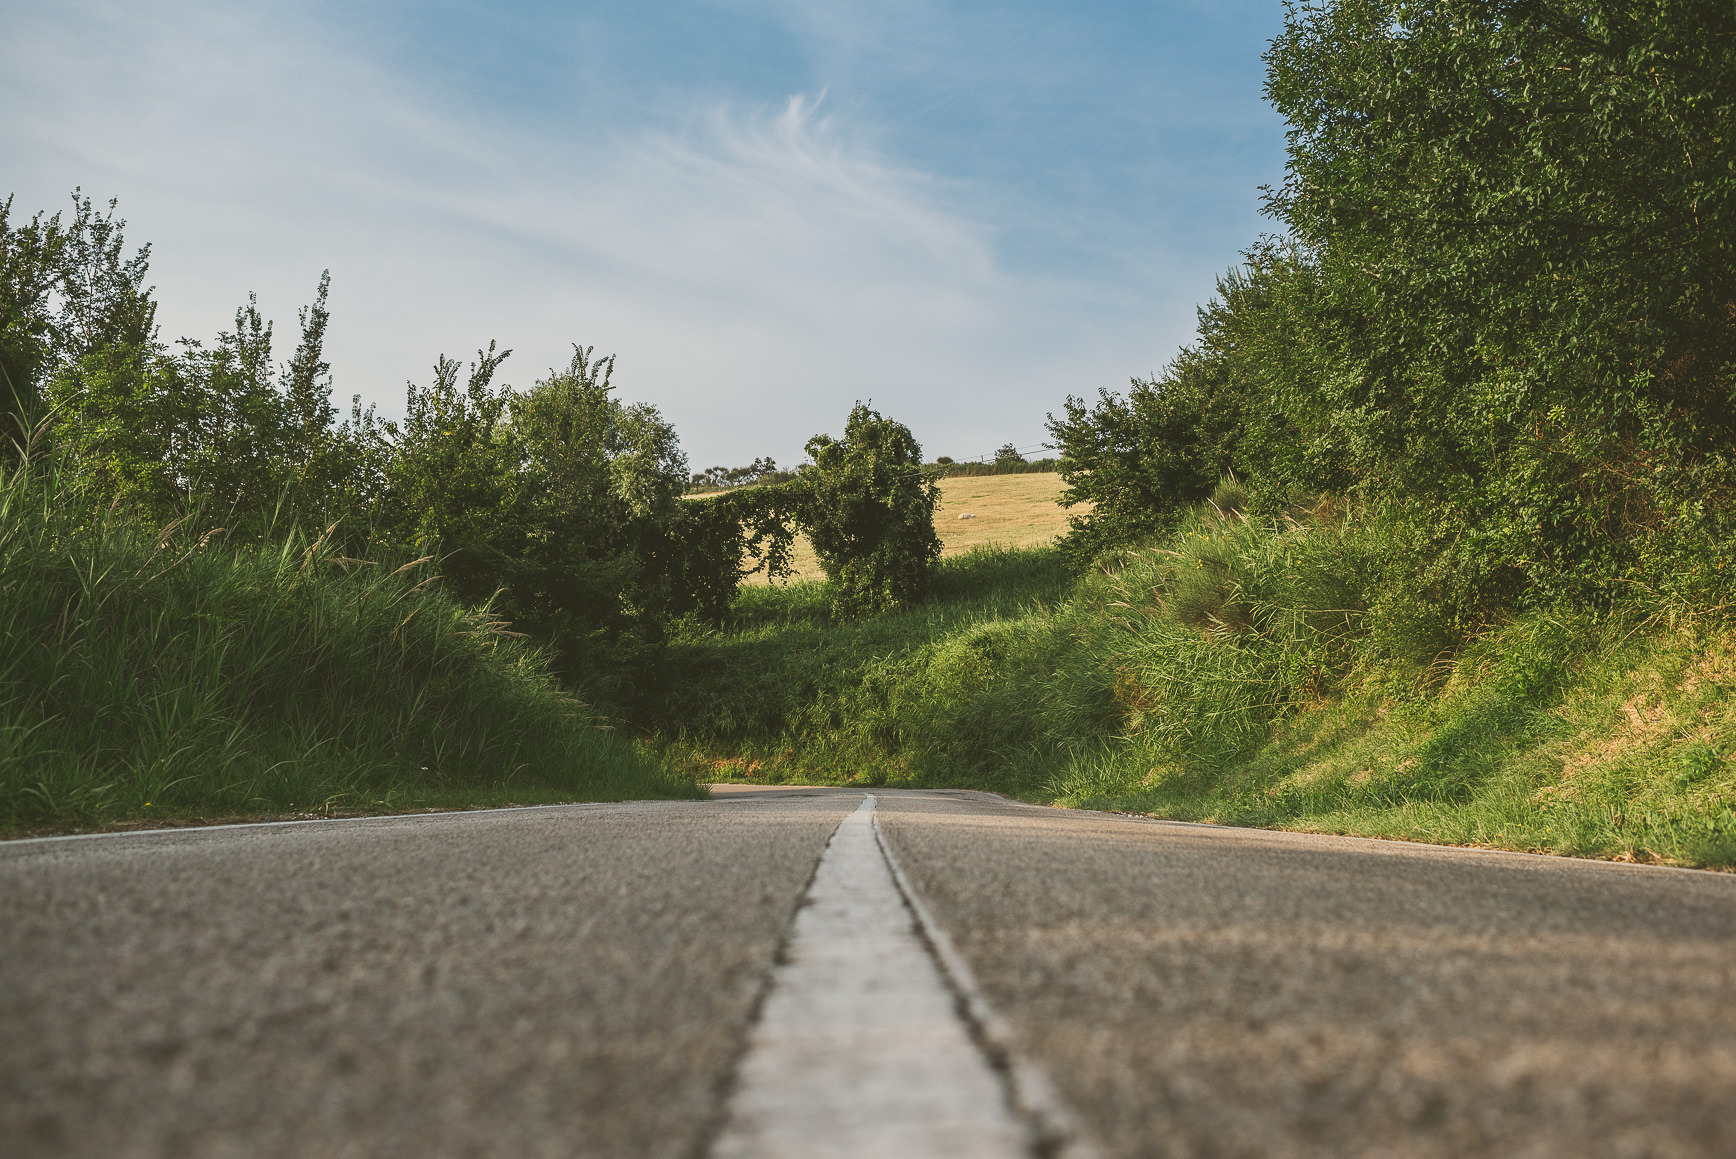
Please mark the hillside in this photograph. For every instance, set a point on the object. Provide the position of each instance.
(1243, 671)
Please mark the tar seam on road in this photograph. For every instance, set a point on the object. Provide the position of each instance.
(866, 1045)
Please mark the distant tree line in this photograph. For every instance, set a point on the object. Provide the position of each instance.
(950, 469)
(760, 471)
(1502, 310)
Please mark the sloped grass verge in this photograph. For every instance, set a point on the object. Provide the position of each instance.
(1299, 673)
(787, 693)
(1592, 740)
(150, 675)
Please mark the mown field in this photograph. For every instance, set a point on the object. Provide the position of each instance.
(1004, 510)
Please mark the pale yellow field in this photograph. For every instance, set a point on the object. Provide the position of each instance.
(1012, 510)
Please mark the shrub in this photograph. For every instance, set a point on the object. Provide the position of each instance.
(869, 512)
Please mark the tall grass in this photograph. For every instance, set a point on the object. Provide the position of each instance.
(1195, 648)
(1302, 672)
(155, 673)
(787, 690)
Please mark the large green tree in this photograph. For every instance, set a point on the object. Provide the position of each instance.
(1529, 208)
(1504, 307)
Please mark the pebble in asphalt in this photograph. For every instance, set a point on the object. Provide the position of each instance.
(583, 981)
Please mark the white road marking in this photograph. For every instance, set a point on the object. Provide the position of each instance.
(1057, 1132)
(860, 1050)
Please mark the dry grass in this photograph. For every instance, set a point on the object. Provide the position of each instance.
(1010, 510)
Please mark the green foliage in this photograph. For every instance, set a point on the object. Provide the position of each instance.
(559, 504)
(1191, 652)
(1518, 205)
(760, 471)
(1502, 311)
(216, 432)
(67, 292)
(1235, 402)
(1245, 671)
(1580, 736)
(151, 672)
(784, 682)
(450, 476)
(869, 512)
(601, 559)
(945, 468)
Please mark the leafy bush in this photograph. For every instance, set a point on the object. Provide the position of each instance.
(869, 512)
(558, 503)
(67, 291)
(1225, 406)
(1513, 203)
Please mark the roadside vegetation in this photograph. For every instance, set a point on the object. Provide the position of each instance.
(1278, 673)
(1429, 533)
(222, 598)
(161, 675)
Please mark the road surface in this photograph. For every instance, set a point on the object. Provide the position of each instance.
(820, 973)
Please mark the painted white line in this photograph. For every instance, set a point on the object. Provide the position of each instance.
(859, 1050)
(184, 830)
(1057, 1132)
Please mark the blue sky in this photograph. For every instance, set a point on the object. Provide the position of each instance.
(766, 209)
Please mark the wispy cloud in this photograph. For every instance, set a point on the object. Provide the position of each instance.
(757, 268)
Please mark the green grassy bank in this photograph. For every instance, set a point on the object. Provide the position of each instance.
(1587, 740)
(1295, 673)
(779, 693)
(162, 677)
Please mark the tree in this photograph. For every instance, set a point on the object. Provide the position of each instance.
(869, 512)
(1249, 397)
(214, 427)
(68, 292)
(1526, 207)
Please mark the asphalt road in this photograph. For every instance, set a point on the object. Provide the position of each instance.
(608, 980)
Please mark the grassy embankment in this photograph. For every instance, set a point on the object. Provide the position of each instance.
(1285, 674)
(153, 678)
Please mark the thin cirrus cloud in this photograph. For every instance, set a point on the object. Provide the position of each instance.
(757, 265)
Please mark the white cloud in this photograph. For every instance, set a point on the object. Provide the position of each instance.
(756, 269)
